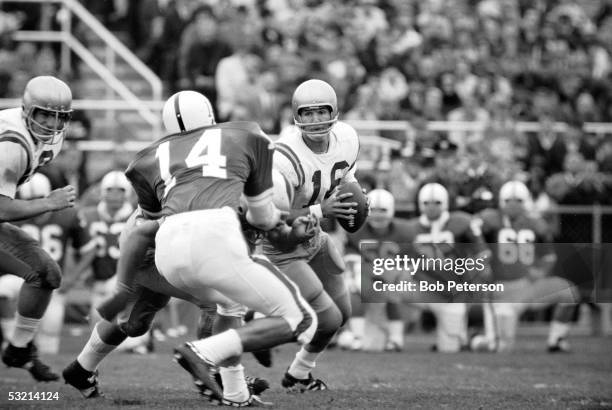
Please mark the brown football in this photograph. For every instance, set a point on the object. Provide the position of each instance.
(353, 225)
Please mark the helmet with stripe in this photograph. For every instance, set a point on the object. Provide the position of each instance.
(46, 109)
(433, 200)
(38, 186)
(382, 208)
(314, 94)
(186, 111)
(514, 198)
(115, 189)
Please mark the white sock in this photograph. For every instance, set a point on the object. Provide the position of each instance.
(220, 347)
(357, 325)
(396, 332)
(25, 328)
(303, 364)
(557, 331)
(94, 352)
(234, 384)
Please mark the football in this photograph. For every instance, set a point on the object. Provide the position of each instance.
(360, 217)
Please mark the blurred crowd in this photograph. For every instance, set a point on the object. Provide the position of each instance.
(493, 61)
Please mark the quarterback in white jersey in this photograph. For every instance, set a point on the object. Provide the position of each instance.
(315, 157)
(30, 137)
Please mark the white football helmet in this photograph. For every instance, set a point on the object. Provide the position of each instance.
(433, 200)
(283, 191)
(382, 208)
(115, 189)
(46, 108)
(186, 111)
(310, 94)
(514, 198)
(37, 187)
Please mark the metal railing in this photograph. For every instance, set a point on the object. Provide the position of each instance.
(146, 109)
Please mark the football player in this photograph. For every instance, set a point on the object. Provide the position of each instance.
(54, 231)
(188, 186)
(315, 157)
(105, 223)
(522, 259)
(437, 234)
(30, 137)
(386, 237)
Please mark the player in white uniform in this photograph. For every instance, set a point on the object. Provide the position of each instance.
(30, 137)
(315, 157)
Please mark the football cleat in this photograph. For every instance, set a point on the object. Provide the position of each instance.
(393, 346)
(84, 381)
(255, 384)
(201, 369)
(252, 401)
(27, 358)
(293, 385)
(561, 346)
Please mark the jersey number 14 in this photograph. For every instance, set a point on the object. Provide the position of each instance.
(205, 153)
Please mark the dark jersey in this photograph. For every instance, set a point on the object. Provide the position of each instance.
(55, 230)
(516, 245)
(207, 168)
(106, 235)
(456, 238)
(396, 240)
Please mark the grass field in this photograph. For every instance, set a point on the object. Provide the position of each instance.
(525, 379)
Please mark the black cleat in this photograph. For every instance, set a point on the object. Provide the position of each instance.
(27, 358)
(201, 369)
(561, 346)
(291, 384)
(84, 381)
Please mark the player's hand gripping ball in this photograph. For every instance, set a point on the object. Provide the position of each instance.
(353, 224)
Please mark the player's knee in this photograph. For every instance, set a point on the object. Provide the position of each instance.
(330, 320)
(136, 328)
(302, 320)
(46, 276)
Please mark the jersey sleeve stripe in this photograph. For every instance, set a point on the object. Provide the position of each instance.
(18, 139)
(288, 152)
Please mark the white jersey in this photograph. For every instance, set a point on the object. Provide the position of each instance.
(20, 154)
(314, 176)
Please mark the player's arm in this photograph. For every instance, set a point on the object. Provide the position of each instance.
(12, 164)
(545, 256)
(258, 189)
(86, 257)
(479, 248)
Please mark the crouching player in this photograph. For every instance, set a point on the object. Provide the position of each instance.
(440, 234)
(385, 237)
(522, 260)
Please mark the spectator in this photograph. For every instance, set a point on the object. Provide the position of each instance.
(201, 49)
